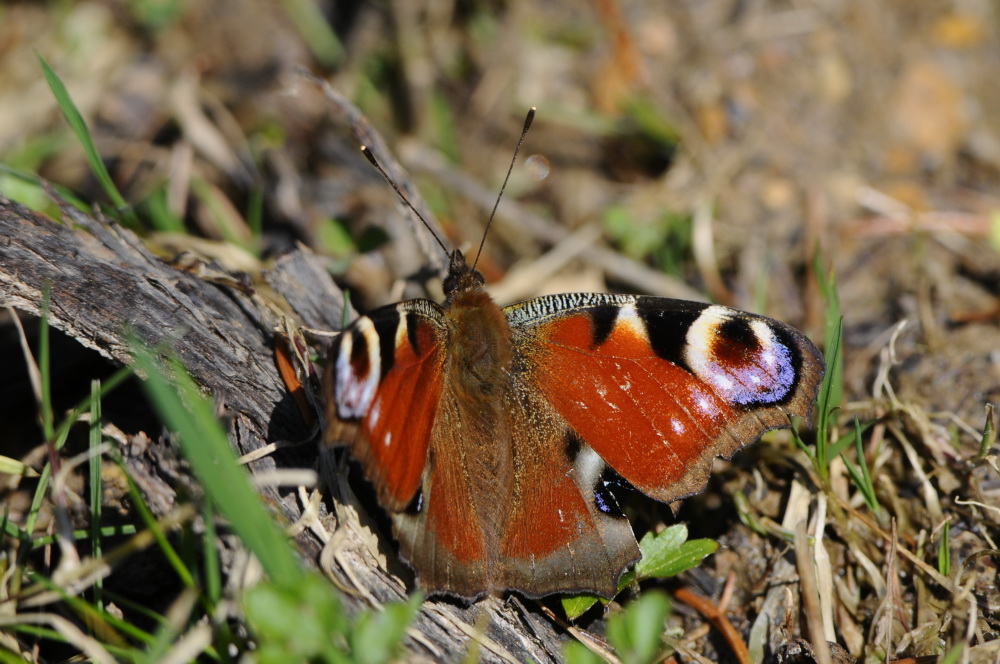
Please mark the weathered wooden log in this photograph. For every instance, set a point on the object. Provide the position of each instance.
(105, 285)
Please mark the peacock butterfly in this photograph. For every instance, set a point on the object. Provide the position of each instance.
(488, 432)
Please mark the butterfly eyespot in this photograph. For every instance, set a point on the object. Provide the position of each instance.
(605, 489)
(358, 369)
(605, 501)
(743, 359)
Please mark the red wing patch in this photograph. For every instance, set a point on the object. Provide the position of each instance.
(646, 417)
(659, 388)
(550, 512)
(392, 385)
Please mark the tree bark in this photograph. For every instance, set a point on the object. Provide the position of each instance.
(106, 288)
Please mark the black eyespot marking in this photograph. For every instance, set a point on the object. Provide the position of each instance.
(605, 501)
(417, 504)
(360, 362)
(412, 322)
(615, 481)
(602, 323)
(737, 332)
(386, 326)
(605, 489)
(573, 446)
(795, 360)
(667, 328)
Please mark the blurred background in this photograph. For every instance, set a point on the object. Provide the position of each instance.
(731, 150)
(714, 147)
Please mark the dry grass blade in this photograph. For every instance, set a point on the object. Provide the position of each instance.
(524, 221)
(718, 620)
(810, 595)
(94, 650)
(34, 374)
(594, 644)
(89, 570)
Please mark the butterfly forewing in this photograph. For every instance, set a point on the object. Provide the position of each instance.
(660, 387)
(381, 391)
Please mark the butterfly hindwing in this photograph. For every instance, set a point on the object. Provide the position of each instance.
(660, 387)
(520, 515)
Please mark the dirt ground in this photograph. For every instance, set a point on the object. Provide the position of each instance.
(710, 149)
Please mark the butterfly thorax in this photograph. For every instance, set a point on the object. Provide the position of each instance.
(480, 348)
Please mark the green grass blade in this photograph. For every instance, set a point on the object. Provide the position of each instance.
(944, 550)
(860, 474)
(255, 214)
(315, 29)
(847, 440)
(79, 127)
(827, 403)
(96, 485)
(169, 552)
(954, 655)
(80, 534)
(832, 388)
(16, 174)
(102, 625)
(206, 446)
(213, 573)
(61, 434)
(156, 210)
(832, 327)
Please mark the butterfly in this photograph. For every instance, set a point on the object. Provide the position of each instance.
(491, 434)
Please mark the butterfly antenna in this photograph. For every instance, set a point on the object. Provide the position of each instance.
(371, 158)
(527, 126)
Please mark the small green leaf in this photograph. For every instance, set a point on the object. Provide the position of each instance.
(576, 605)
(376, 636)
(297, 622)
(668, 554)
(663, 555)
(637, 632)
(305, 621)
(575, 652)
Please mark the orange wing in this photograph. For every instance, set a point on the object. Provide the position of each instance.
(659, 387)
(381, 387)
